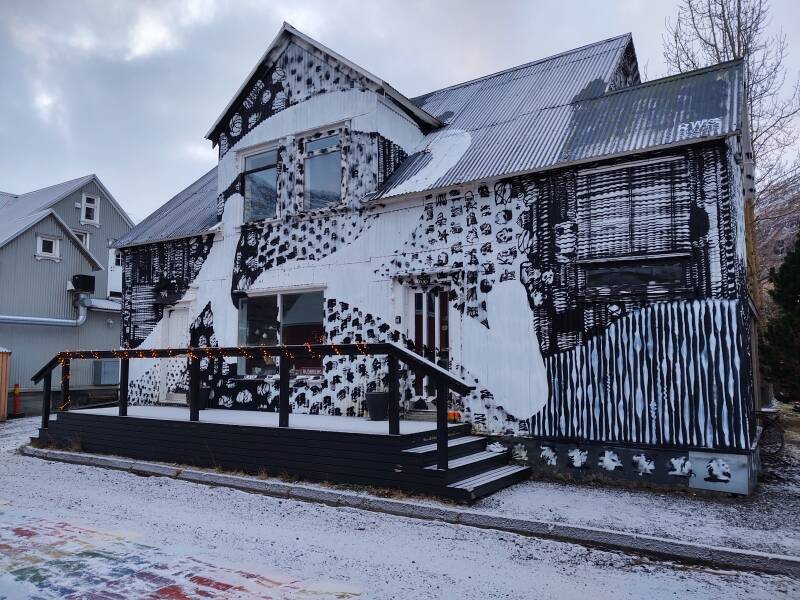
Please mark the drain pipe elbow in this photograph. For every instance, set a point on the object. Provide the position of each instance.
(83, 313)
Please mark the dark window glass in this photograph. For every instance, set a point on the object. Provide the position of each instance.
(261, 161)
(48, 246)
(302, 319)
(88, 213)
(258, 326)
(260, 186)
(636, 275)
(323, 180)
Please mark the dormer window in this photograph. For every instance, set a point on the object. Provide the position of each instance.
(90, 210)
(260, 186)
(322, 170)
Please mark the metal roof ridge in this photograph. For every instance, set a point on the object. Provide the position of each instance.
(524, 65)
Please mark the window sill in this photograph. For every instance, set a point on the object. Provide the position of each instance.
(92, 223)
(47, 257)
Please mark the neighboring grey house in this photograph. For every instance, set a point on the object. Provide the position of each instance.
(47, 237)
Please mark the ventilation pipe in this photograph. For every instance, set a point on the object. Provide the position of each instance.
(82, 301)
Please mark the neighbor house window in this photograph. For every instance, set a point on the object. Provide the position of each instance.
(260, 186)
(633, 225)
(83, 238)
(322, 170)
(289, 319)
(90, 210)
(48, 247)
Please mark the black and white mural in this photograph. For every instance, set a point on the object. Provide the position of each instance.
(601, 311)
(155, 276)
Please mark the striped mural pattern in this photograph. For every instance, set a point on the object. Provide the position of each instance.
(670, 374)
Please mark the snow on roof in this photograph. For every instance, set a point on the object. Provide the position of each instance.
(191, 211)
(558, 111)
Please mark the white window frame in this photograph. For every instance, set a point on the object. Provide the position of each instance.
(243, 155)
(95, 205)
(85, 234)
(278, 293)
(336, 129)
(55, 255)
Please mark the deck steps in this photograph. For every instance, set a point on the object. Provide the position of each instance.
(488, 482)
(456, 446)
(472, 470)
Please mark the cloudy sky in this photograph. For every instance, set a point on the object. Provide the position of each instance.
(128, 89)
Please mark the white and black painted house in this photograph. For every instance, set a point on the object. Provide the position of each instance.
(564, 236)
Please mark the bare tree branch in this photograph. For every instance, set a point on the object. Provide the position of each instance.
(707, 32)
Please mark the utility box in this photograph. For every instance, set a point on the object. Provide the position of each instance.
(105, 372)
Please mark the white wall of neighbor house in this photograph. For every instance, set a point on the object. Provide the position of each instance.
(110, 225)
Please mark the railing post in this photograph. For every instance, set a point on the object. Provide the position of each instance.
(194, 388)
(65, 399)
(441, 425)
(283, 405)
(46, 386)
(124, 367)
(394, 397)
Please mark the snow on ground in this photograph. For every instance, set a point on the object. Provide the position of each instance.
(169, 532)
(268, 419)
(766, 521)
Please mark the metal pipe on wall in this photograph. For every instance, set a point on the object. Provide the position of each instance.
(21, 320)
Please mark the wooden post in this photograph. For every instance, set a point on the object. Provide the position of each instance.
(46, 386)
(194, 389)
(65, 399)
(283, 406)
(441, 425)
(394, 397)
(124, 367)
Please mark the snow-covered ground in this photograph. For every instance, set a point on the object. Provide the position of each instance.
(112, 529)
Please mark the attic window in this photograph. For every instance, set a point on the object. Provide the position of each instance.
(90, 210)
(260, 186)
(322, 170)
(48, 247)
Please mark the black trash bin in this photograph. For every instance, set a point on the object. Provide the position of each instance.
(378, 405)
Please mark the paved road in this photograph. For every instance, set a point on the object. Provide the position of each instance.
(68, 531)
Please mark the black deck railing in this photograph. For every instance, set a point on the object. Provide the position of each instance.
(443, 380)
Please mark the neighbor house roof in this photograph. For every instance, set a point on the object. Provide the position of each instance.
(190, 212)
(19, 212)
(556, 111)
(11, 227)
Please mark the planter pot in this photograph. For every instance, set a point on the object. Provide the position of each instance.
(378, 405)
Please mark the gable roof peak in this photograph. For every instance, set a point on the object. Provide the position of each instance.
(288, 33)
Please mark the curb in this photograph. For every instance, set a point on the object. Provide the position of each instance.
(607, 539)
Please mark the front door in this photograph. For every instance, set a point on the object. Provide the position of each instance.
(431, 334)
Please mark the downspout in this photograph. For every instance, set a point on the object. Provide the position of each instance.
(82, 313)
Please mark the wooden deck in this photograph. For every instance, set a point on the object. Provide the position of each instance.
(314, 447)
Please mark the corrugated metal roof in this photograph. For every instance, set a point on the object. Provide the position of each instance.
(190, 212)
(556, 111)
(20, 211)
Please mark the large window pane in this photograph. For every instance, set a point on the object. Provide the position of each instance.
(323, 180)
(302, 318)
(258, 326)
(260, 194)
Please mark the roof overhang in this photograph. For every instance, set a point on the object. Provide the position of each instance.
(285, 34)
(96, 264)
